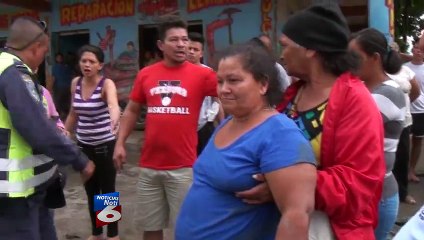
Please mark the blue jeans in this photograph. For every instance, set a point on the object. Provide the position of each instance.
(387, 214)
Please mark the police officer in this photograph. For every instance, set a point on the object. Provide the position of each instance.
(28, 140)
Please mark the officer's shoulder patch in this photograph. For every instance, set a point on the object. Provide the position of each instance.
(26, 77)
(29, 83)
(20, 65)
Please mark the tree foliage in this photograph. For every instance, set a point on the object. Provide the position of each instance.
(408, 20)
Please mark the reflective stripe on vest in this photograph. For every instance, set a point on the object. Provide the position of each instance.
(7, 165)
(23, 186)
(17, 163)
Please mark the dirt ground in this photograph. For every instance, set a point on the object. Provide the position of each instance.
(73, 221)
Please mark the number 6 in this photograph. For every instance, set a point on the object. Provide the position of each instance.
(104, 215)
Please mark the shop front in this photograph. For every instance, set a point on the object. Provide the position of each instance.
(126, 29)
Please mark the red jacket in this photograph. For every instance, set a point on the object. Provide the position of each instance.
(351, 174)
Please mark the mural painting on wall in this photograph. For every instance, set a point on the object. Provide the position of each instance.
(84, 12)
(227, 21)
(224, 19)
(124, 68)
(106, 42)
(157, 8)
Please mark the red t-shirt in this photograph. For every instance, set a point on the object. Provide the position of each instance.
(173, 96)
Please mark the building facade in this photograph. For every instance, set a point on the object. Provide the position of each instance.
(126, 29)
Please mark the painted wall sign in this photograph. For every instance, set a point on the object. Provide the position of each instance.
(7, 18)
(29, 13)
(84, 12)
(197, 5)
(4, 21)
(266, 9)
(157, 7)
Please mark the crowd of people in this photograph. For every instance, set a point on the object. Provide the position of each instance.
(315, 146)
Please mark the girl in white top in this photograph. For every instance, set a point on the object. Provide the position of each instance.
(409, 85)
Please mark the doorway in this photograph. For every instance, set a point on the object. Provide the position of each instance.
(147, 37)
(195, 26)
(148, 50)
(68, 44)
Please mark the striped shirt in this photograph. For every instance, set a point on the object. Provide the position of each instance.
(391, 103)
(94, 124)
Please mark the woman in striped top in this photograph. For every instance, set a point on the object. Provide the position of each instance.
(95, 113)
(376, 60)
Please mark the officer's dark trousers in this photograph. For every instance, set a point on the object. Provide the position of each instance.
(26, 219)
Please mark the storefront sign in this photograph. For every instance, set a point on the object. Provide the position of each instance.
(197, 5)
(7, 18)
(155, 7)
(4, 21)
(84, 12)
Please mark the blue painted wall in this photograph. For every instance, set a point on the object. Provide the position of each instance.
(379, 16)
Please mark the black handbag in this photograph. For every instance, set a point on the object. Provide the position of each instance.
(55, 198)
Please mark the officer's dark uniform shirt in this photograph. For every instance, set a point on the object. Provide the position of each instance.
(18, 94)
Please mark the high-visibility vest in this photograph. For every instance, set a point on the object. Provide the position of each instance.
(22, 172)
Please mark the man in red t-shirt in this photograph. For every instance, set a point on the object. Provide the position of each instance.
(173, 91)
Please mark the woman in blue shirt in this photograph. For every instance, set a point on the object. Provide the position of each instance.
(254, 139)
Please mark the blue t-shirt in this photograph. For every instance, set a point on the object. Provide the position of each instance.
(211, 210)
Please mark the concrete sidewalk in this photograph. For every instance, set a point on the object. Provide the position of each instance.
(73, 222)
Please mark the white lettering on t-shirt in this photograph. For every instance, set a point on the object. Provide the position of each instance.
(168, 89)
(169, 110)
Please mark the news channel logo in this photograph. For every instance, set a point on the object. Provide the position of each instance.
(107, 208)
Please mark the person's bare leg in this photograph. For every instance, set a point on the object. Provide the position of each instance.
(153, 235)
(113, 238)
(415, 154)
(99, 237)
(410, 200)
